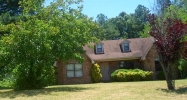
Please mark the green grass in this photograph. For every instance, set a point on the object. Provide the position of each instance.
(146, 90)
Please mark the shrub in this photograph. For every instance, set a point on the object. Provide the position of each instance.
(182, 68)
(96, 74)
(148, 75)
(33, 77)
(124, 75)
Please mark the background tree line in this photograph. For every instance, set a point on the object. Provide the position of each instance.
(124, 25)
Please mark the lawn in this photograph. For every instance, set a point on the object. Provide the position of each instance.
(148, 90)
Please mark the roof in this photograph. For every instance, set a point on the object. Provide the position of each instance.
(139, 48)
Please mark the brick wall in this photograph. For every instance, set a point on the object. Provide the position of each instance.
(149, 63)
(86, 78)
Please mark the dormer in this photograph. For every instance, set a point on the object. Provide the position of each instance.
(99, 48)
(125, 46)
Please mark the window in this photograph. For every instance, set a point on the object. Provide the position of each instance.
(99, 48)
(158, 67)
(126, 65)
(121, 64)
(74, 70)
(126, 47)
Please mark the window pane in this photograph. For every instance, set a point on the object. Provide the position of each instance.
(78, 73)
(78, 66)
(70, 67)
(70, 73)
(99, 49)
(126, 44)
(99, 46)
(126, 48)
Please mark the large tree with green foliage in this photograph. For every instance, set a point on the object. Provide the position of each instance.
(11, 6)
(107, 30)
(54, 33)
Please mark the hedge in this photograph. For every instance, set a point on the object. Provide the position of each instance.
(125, 75)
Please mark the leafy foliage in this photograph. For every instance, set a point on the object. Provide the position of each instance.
(107, 30)
(183, 68)
(168, 34)
(11, 6)
(96, 74)
(145, 31)
(122, 26)
(125, 75)
(33, 45)
(168, 39)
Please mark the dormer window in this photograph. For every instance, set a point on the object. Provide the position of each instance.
(126, 47)
(99, 48)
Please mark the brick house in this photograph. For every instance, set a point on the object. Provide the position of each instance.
(110, 55)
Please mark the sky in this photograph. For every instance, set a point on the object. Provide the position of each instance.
(111, 8)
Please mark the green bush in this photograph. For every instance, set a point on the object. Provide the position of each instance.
(125, 75)
(96, 74)
(33, 77)
(183, 68)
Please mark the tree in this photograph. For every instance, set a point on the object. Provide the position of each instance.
(145, 31)
(15, 7)
(168, 33)
(141, 13)
(101, 19)
(161, 5)
(53, 34)
(140, 17)
(121, 23)
(130, 25)
(107, 30)
(11, 6)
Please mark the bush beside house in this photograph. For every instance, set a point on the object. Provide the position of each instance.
(125, 75)
(96, 73)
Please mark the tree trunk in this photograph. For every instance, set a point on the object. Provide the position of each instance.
(170, 82)
(168, 75)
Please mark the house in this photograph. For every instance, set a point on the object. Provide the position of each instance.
(110, 55)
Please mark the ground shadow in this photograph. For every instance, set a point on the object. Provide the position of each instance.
(180, 90)
(9, 93)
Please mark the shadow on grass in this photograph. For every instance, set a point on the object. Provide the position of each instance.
(180, 90)
(9, 93)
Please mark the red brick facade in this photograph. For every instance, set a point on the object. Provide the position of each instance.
(86, 78)
(148, 64)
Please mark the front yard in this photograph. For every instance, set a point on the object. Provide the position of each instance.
(146, 90)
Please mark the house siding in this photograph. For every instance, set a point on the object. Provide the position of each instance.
(86, 78)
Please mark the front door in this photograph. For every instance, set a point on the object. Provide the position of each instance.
(105, 72)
